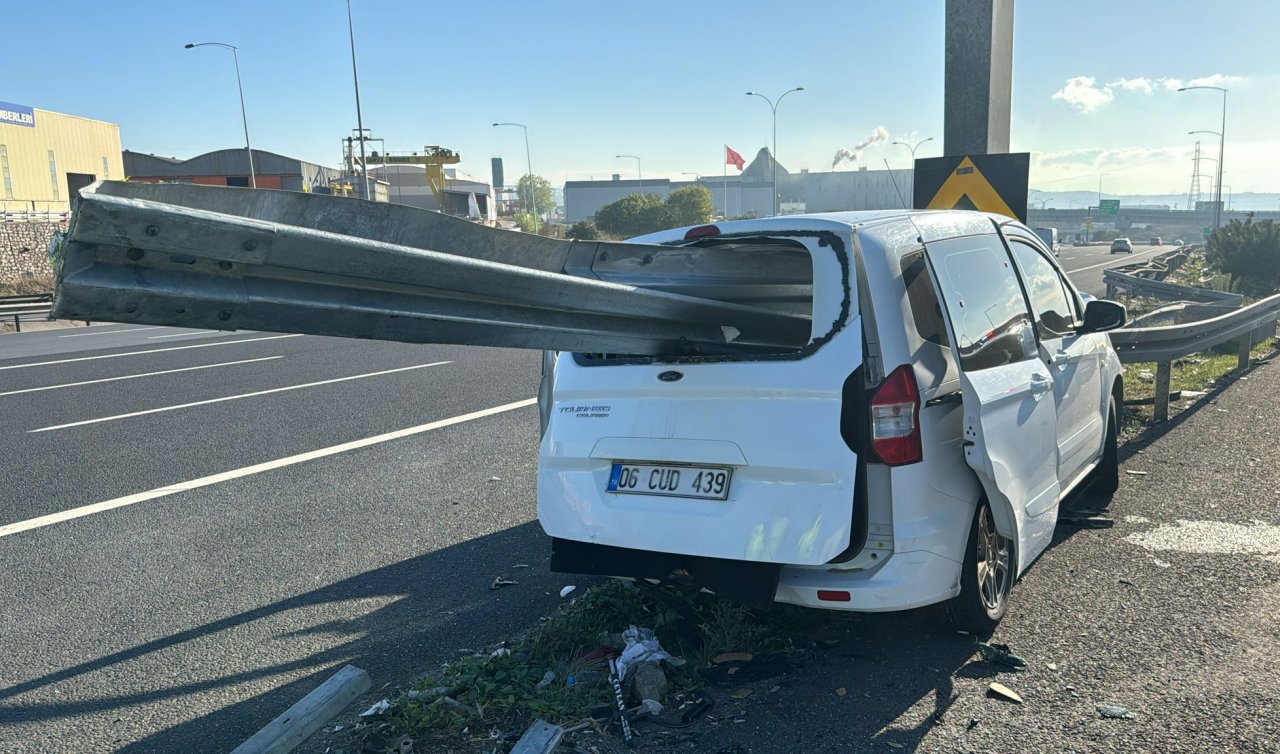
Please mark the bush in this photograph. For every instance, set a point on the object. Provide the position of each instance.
(634, 215)
(584, 231)
(1250, 253)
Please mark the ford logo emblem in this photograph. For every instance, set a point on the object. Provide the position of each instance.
(672, 376)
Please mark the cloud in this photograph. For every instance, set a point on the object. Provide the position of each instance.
(1084, 94)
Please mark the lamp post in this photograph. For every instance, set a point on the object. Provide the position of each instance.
(639, 175)
(533, 194)
(773, 160)
(355, 77)
(913, 149)
(1100, 191)
(253, 177)
(1222, 143)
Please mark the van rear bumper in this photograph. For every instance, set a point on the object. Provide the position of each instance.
(906, 580)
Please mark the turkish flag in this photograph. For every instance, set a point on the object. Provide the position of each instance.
(733, 158)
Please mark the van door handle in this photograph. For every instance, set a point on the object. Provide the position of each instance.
(1040, 385)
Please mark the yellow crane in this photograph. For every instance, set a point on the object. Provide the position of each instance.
(433, 158)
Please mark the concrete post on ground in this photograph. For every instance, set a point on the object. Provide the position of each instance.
(979, 76)
(1164, 371)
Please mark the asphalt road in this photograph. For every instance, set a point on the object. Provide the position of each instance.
(233, 567)
(1085, 264)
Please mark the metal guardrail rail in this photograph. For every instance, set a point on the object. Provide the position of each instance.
(1248, 325)
(25, 306)
(227, 259)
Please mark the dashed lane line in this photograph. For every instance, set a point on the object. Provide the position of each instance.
(136, 376)
(173, 489)
(225, 398)
(148, 351)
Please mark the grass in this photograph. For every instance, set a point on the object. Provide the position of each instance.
(498, 690)
(27, 285)
(1196, 372)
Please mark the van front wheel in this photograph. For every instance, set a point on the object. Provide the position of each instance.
(987, 576)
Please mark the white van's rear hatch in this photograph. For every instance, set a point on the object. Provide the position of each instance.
(721, 456)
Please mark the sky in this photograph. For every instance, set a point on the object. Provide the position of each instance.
(1093, 82)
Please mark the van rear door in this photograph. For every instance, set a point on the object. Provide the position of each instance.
(727, 457)
(1010, 422)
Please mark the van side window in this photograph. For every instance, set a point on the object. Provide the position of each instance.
(1053, 312)
(926, 310)
(984, 301)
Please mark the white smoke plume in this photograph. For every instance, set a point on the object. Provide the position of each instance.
(879, 136)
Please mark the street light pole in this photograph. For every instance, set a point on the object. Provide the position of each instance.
(364, 166)
(1100, 191)
(533, 193)
(913, 158)
(639, 175)
(1222, 144)
(253, 177)
(773, 158)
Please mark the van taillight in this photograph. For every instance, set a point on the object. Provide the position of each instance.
(895, 418)
(702, 231)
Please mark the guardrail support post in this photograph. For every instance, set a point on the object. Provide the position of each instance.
(17, 325)
(1246, 345)
(1164, 371)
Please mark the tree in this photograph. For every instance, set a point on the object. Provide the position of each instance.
(1250, 253)
(634, 215)
(535, 188)
(525, 221)
(691, 205)
(584, 231)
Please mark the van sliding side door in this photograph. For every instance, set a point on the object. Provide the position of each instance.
(1010, 418)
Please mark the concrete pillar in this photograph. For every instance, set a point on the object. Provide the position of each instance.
(979, 76)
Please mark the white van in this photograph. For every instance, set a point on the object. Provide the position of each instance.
(915, 450)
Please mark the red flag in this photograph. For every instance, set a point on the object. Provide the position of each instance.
(733, 158)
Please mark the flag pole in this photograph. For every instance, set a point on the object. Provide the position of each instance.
(725, 167)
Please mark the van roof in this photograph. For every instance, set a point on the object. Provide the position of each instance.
(819, 221)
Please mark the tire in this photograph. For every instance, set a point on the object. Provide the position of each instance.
(986, 577)
(1106, 478)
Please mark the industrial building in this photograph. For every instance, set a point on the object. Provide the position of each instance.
(750, 193)
(408, 184)
(46, 157)
(230, 167)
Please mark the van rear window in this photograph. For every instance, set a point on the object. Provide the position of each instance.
(926, 310)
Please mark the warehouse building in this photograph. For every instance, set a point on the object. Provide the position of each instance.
(749, 193)
(46, 157)
(230, 167)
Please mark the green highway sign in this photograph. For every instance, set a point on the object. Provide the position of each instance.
(1108, 206)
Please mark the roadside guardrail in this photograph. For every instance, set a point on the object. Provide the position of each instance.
(1163, 344)
(25, 306)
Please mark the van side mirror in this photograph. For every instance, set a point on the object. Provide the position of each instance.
(1100, 316)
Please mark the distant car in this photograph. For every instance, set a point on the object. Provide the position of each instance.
(1121, 244)
(1157, 241)
(1178, 242)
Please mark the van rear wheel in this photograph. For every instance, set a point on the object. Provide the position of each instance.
(986, 578)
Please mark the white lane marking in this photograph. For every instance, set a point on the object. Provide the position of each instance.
(180, 334)
(153, 350)
(234, 397)
(140, 497)
(109, 332)
(136, 376)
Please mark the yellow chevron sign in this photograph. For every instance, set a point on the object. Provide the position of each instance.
(967, 188)
(994, 183)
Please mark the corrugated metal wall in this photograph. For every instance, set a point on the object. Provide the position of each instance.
(40, 158)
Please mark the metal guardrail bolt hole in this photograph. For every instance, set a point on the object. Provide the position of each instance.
(224, 316)
(249, 245)
(134, 254)
(131, 307)
(224, 265)
(151, 230)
